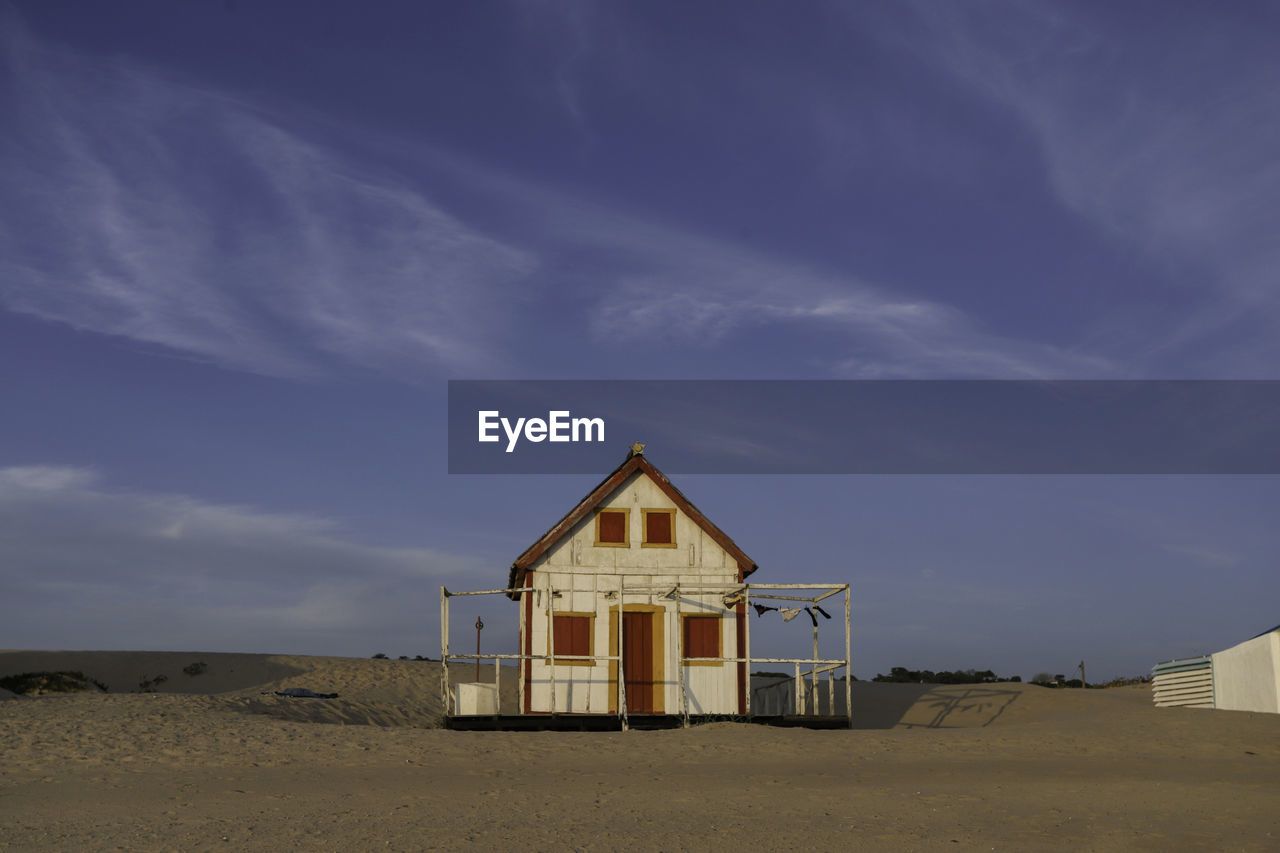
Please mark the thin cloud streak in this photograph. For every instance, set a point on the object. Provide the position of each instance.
(705, 290)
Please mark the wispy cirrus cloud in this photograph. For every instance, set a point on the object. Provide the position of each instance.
(186, 218)
(90, 564)
(1160, 131)
(182, 217)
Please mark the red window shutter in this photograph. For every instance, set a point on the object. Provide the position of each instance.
(563, 635)
(612, 526)
(701, 637)
(572, 635)
(658, 528)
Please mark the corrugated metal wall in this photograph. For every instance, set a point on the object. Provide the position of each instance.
(1183, 683)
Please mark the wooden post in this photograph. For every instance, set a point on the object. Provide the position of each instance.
(551, 641)
(746, 642)
(848, 663)
(813, 617)
(680, 653)
(622, 678)
(444, 650)
(1083, 683)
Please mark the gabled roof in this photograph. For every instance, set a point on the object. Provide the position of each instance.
(633, 463)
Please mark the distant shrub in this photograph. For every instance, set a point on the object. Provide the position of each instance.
(380, 656)
(902, 675)
(62, 681)
(404, 657)
(194, 669)
(149, 685)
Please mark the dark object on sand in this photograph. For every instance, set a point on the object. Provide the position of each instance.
(304, 693)
(40, 683)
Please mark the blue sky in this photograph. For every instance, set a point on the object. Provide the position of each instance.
(243, 247)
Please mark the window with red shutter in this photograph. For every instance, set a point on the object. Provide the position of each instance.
(572, 634)
(701, 636)
(611, 527)
(659, 527)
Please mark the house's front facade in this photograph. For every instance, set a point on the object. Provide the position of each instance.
(633, 566)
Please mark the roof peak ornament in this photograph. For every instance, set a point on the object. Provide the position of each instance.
(637, 449)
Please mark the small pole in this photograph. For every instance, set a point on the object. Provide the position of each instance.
(848, 661)
(479, 628)
(446, 693)
(816, 675)
(746, 642)
(622, 661)
(551, 642)
(1083, 683)
(680, 663)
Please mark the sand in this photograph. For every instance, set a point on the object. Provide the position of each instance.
(209, 762)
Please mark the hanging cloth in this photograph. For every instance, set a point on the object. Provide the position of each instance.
(762, 609)
(789, 613)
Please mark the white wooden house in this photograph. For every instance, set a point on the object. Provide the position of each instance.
(635, 578)
(637, 544)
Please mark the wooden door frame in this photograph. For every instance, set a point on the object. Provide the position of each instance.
(659, 660)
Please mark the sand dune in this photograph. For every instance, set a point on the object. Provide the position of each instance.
(216, 759)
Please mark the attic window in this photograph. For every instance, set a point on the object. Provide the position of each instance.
(659, 528)
(612, 528)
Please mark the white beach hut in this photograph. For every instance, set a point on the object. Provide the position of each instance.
(635, 577)
(1245, 677)
(634, 536)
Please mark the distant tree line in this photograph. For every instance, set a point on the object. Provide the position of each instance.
(902, 675)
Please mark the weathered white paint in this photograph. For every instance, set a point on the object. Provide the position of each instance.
(1246, 677)
(585, 575)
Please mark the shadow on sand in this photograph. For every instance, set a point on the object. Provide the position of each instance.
(933, 706)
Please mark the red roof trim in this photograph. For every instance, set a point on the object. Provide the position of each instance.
(632, 464)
